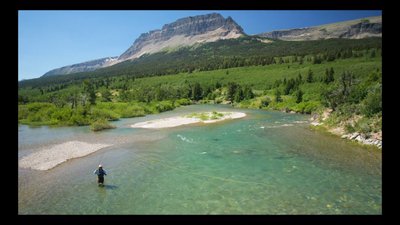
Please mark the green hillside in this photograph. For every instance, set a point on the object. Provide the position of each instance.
(302, 78)
(246, 51)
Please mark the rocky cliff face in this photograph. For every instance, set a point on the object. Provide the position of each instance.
(353, 29)
(82, 67)
(184, 32)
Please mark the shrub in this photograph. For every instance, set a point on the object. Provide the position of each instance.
(311, 106)
(363, 125)
(265, 102)
(23, 112)
(132, 111)
(164, 106)
(372, 104)
(101, 124)
(79, 120)
(349, 128)
(104, 113)
(182, 101)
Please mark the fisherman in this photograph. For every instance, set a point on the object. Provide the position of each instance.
(100, 175)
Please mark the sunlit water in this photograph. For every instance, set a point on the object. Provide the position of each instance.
(265, 163)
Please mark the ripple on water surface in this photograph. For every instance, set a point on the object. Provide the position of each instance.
(253, 165)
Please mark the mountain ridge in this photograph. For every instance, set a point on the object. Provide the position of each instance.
(350, 29)
(86, 66)
(212, 27)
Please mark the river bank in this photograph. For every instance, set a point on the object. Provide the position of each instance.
(49, 157)
(371, 138)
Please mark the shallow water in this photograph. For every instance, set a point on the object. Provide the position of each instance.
(265, 163)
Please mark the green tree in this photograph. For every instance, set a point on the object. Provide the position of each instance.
(310, 76)
(123, 96)
(217, 85)
(372, 104)
(232, 87)
(290, 85)
(299, 79)
(301, 60)
(347, 81)
(278, 97)
(197, 91)
(105, 95)
(316, 60)
(73, 97)
(239, 96)
(299, 96)
(89, 90)
(248, 93)
(329, 76)
(373, 53)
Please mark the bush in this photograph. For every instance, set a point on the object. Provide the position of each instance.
(98, 113)
(372, 104)
(101, 124)
(182, 101)
(364, 125)
(132, 111)
(300, 107)
(164, 106)
(311, 106)
(349, 128)
(265, 102)
(62, 114)
(78, 120)
(23, 112)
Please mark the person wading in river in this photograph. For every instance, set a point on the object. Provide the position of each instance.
(100, 175)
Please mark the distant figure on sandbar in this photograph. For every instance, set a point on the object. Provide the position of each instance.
(100, 175)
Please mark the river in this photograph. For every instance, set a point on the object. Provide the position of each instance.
(264, 163)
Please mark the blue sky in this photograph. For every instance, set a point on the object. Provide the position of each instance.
(52, 39)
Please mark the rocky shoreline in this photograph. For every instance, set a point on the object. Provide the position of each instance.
(363, 139)
(367, 139)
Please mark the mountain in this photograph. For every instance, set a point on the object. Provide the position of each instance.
(211, 28)
(353, 29)
(183, 32)
(82, 67)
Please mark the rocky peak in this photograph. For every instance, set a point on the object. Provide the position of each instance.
(183, 32)
(196, 25)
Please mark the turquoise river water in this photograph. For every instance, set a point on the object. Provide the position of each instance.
(264, 163)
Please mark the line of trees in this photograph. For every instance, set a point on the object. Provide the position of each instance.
(220, 55)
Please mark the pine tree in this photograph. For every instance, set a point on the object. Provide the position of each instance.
(299, 96)
(331, 75)
(197, 92)
(89, 90)
(248, 93)
(232, 88)
(278, 97)
(301, 60)
(239, 95)
(310, 77)
(299, 79)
